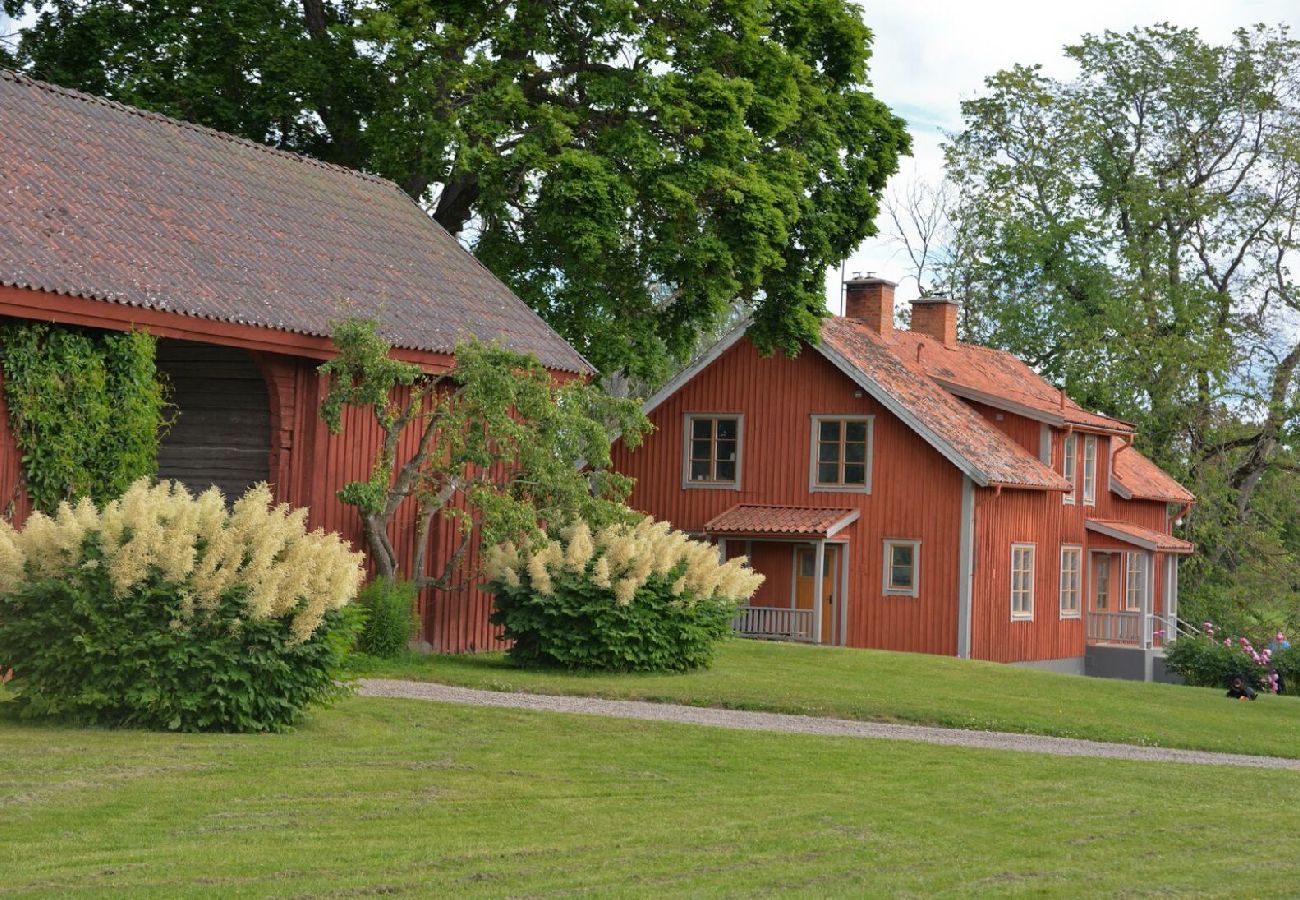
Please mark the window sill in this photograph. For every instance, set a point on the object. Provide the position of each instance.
(912, 595)
(711, 485)
(1022, 617)
(1071, 615)
(835, 489)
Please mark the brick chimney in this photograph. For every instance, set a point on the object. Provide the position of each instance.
(871, 300)
(936, 317)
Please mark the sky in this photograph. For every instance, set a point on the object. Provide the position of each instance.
(929, 55)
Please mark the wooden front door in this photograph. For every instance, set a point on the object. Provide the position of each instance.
(805, 569)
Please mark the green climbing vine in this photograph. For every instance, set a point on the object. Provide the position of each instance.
(88, 409)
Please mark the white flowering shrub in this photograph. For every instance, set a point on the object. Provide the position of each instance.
(166, 610)
(628, 597)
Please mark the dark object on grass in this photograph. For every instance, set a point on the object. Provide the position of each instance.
(1240, 689)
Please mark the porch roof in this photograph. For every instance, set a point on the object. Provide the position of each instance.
(816, 523)
(1138, 536)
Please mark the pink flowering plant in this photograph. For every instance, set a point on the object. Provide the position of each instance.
(1214, 657)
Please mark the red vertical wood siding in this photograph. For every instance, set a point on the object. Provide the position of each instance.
(916, 494)
(1045, 520)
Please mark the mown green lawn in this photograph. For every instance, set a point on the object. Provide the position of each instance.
(907, 687)
(409, 797)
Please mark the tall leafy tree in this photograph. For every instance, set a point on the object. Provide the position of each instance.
(632, 168)
(1133, 232)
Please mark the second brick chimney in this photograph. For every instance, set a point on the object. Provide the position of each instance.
(871, 300)
(936, 317)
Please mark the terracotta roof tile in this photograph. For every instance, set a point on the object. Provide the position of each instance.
(791, 521)
(950, 421)
(1139, 536)
(103, 201)
(1139, 477)
(1000, 379)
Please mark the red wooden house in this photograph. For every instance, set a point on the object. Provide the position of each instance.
(905, 491)
(239, 257)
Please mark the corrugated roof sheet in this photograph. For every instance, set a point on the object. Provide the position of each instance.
(1143, 479)
(1146, 538)
(999, 376)
(103, 201)
(792, 521)
(954, 424)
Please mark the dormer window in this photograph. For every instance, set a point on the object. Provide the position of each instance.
(1071, 453)
(712, 454)
(1090, 470)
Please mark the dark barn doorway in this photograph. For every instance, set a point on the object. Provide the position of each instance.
(222, 432)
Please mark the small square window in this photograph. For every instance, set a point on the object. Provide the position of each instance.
(901, 560)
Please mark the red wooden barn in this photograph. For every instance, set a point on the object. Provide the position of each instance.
(905, 491)
(239, 257)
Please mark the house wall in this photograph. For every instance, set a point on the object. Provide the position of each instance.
(916, 494)
(1045, 520)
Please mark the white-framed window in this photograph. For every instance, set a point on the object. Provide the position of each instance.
(1071, 580)
(1090, 470)
(1069, 458)
(1022, 581)
(840, 453)
(902, 568)
(1135, 581)
(711, 450)
(1101, 587)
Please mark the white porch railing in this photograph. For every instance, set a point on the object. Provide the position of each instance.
(774, 623)
(1126, 628)
(1115, 627)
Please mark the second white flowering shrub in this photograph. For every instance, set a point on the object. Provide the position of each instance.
(165, 610)
(637, 597)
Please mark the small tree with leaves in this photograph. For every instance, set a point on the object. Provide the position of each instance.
(503, 449)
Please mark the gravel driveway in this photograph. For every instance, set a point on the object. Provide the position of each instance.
(764, 721)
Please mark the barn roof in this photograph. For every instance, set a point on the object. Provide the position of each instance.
(1132, 475)
(999, 379)
(107, 202)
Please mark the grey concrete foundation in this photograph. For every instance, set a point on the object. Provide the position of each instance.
(1069, 665)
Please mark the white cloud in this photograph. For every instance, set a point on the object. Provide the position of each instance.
(929, 55)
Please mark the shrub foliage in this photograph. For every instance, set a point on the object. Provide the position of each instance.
(1213, 658)
(88, 409)
(390, 616)
(164, 610)
(628, 597)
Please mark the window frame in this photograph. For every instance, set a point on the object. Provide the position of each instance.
(1024, 615)
(1141, 583)
(1070, 466)
(1090, 470)
(1076, 612)
(688, 427)
(1100, 602)
(814, 434)
(887, 587)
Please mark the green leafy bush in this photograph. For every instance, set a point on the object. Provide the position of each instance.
(162, 610)
(1213, 658)
(637, 598)
(88, 409)
(390, 617)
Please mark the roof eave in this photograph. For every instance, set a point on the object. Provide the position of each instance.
(1028, 412)
(891, 403)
